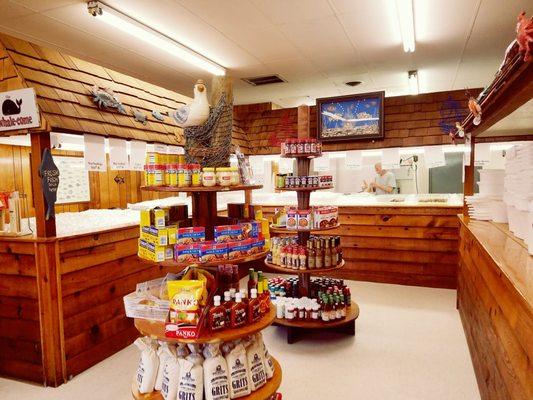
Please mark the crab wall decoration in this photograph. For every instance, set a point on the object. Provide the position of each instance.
(524, 35)
(106, 98)
(139, 116)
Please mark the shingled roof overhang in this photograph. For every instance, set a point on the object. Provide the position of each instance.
(63, 83)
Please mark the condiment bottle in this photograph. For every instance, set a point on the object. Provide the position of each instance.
(302, 256)
(326, 309)
(311, 255)
(319, 257)
(295, 258)
(228, 303)
(217, 315)
(238, 312)
(254, 307)
(244, 297)
(232, 292)
(252, 280)
(327, 254)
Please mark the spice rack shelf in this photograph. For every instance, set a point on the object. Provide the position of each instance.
(302, 155)
(197, 189)
(352, 313)
(303, 189)
(304, 271)
(240, 260)
(274, 229)
(156, 330)
(270, 388)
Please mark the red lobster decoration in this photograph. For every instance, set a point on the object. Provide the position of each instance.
(524, 35)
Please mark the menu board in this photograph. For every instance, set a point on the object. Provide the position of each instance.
(74, 182)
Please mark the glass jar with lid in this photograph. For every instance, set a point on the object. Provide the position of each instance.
(182, 178)
(235, 176)
(224, 176)
(208, 177)
(195, 174)
(171, 176)
(149, 175)
(159, 175)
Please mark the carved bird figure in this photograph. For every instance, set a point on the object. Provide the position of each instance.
(524, 35)
(195, 113)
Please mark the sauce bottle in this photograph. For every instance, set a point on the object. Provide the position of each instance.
(244, 296)
(252, 279)
(302, 256)
(326, 309)
(254, 307)
(228, 303)
(311, 255)
(319, 257)
(327, 254)
(217, 315)
(238, 312)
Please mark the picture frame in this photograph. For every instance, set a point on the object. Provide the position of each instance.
(351, 117)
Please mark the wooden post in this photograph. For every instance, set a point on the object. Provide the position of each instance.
(468, 188)
(39, 141)
(304, 126)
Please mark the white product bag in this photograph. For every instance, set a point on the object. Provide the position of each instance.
(171, 373)
(267, 358)
(238, 372)
(191, 382)
(216, 380)
(148, 365)
(256, 364)
(164, 353)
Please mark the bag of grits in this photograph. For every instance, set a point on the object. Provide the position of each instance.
(148, 365)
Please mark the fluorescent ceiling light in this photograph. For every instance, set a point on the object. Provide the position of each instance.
(143, 32)
(407, 24)
(413, 82)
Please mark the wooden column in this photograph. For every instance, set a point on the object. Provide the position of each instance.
(40, 140)
(304, 126)
(468, 188)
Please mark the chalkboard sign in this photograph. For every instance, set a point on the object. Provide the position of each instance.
(49, 174)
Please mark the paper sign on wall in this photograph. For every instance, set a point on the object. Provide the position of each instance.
(118, 156)
(160, 148)
(18, 110)
(353, 160)
(482, 154)
(390, 159)
(285, 165)
(175, 149)
(434, 157)
(137, 155)
(321, 164)
(94, 154)
(466, 158)
(258, 165)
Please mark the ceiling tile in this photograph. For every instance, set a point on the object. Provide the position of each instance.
(10, 10)
(43, 5)
(289, 11)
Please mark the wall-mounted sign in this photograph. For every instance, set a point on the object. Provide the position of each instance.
(50, 182)
(118, 155)
(137, 155)
(353, 160)
(18, 110)
(390, 158)
(94, 154)
(434, 157)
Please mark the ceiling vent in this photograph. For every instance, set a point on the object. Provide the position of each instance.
(353, 83)
(264, 80)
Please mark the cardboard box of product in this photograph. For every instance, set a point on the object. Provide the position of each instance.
(228, 233)
(187, 253)
(154, 217)
(159, 236)
(212, 251)
(190, 235)
(152, 252)
(239, 249)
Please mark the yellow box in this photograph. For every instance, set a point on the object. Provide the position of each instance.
(157, 236)
(153, 252)
(154, 217)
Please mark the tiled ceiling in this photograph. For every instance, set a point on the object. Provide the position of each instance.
(316, 45)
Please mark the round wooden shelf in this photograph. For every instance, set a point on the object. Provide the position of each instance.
(197, 189)
(352, 313)
(303, 271)
(274, 229)
(263, 393)
(156, 330)
(302, 155)
(241, 260)
(303, 189)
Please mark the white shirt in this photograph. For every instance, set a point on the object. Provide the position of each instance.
(387, 179)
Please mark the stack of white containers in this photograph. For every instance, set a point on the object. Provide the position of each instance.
(488, 204)
(518, 195)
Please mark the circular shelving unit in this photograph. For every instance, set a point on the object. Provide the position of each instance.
(200, 189)
(352, 313)
(303, 189)
(303, 271)
(268, 389)
(302, 155)
(275, 229)
(156, 330)
(241, 260)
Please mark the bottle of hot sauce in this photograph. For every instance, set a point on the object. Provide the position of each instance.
(228, 303)
(252, 279)
(266, 294)
(238, 312)
(254, 307)
(217, 315)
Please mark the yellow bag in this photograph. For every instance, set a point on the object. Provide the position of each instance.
(185, 297)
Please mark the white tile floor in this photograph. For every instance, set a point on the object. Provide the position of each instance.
(409, 344)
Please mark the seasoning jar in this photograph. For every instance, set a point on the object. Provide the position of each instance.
(280, 181)
(208, 177)
(182, 179)
(188, 175)
(307, 146)
(224, 176)
(159, 176)
(289, 312)
(195, 174)
(312, 146)
(235, 176)
(293, 147)
(300, 147)
(172, 175)
(149, 175)
(314, 312)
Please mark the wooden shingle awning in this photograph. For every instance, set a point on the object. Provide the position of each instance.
(63, 84)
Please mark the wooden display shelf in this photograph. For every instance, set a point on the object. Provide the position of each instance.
(197, 189)
(263, 393)
(352, 313)
(304, 271)
(274, 229)
(303, 189)
(156, 330)
(241, 260)
(302, 155)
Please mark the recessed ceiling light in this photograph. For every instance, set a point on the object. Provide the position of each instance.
(353, 83)
(149, 35)
(407, 24)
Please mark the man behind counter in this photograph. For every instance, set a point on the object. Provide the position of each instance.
(384, 183)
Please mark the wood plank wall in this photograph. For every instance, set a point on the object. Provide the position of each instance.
(409, 121)
(498, 323)
(20, 341)
(15, 174)
(402, 245)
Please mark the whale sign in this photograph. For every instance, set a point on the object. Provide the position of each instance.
(18, 110)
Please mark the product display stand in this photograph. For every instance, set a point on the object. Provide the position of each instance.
(205, 213)
(296, 328)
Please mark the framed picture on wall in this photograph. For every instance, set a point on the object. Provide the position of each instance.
(352, 117)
